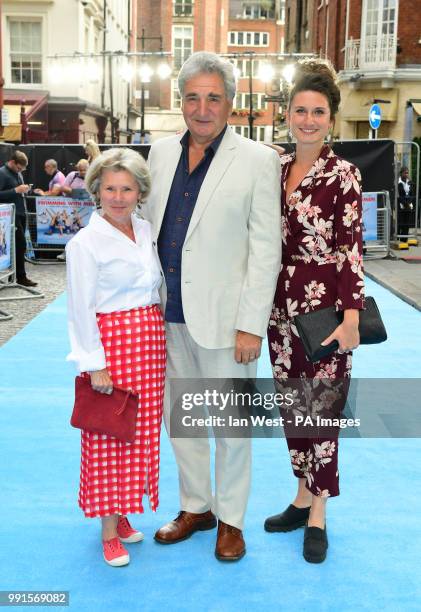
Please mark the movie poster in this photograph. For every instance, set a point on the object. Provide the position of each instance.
(369, 216)
(6, 213)
(59, 219)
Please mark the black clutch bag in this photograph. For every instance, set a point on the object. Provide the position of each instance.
(314, 327)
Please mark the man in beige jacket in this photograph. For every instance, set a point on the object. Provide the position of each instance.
(215, 211)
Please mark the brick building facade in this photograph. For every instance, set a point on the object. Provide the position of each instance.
(222, 26)
(376, 47)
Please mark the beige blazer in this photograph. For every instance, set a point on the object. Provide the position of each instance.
(232, 251)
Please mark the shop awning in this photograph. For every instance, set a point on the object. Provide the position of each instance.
(356, 106)
(31, 101)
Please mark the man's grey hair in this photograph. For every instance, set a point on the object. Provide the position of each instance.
(117, 159)
(51, 162)
(205, 62)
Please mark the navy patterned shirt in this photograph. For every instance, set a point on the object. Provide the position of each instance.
(183, 195)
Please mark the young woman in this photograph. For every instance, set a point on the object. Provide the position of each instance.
(321, 266)
(117, 337)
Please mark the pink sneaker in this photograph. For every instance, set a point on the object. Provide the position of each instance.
(114, 552)
(126, 533)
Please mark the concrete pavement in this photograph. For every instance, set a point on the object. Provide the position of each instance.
(51, 279)
(401, 277)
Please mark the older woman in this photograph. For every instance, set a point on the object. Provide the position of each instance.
(117, 337)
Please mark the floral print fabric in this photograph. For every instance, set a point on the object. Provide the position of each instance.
(321, 266)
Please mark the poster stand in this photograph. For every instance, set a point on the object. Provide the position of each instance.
(47, 243)
(8, 274)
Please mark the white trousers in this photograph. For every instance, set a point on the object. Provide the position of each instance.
(186, 359)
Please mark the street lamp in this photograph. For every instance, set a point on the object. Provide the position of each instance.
(266, 72)
(82, 68)
(164, 71)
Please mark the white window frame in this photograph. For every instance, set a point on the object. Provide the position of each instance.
(254, 6)
(182, 2)
(184, 27)
(175, 95)
(11, 17)
(383, 57)
(240, 100)
(248, 38)
(243, 64)
(243, 130)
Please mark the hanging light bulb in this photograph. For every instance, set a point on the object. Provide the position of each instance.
(55, 73)
(266, 72)
(145, 73)
(74, 71)
(164, 70)
(288, 73)
(126, 71)
(92, 71)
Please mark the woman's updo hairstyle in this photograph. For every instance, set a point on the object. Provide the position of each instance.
(317, 75)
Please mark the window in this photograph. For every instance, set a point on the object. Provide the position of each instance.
(244, 130)
(183, 8)
(26, 52)
(182, 44)
(243, 65)
(242, 100)
(378, 41)
(248, 39)
(175, 94)
(257, 11)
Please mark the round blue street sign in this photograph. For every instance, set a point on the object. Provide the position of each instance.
(375, 116)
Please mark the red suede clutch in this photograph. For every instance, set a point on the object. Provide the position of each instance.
(114, 415)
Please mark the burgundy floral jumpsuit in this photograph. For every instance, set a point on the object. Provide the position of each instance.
(321, 266)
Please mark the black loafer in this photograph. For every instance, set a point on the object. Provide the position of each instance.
(315, 544)
(292, 518)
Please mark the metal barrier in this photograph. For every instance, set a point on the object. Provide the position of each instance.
(48, 252)
(60, 215)
(379, 247)
(8, 276)
(6, 211)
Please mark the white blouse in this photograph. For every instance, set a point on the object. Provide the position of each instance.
(106, 272)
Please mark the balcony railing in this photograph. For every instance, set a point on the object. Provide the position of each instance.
(373, 53)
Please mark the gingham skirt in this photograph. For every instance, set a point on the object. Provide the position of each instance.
(115, 475)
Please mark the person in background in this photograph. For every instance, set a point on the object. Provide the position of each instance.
(56, 180)
(321, 219)
(92, 150)
(12, 189)
(117, 337)
(74, 185)
(406, 203)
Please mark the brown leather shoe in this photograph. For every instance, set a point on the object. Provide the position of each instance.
(230, 545)
(26, 282)
(184, 526)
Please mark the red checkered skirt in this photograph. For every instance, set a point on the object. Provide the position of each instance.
(114, 475)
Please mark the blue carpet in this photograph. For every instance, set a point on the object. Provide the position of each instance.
(46, 544)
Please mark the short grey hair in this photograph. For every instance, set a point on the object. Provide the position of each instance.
(51, 162)
(205, 62)
(117, 159)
